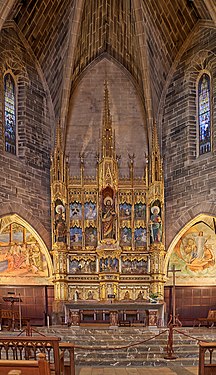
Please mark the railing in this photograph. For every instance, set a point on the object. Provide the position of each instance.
(206, 349)
(26, 348)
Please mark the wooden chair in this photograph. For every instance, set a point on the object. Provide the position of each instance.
(12, 367)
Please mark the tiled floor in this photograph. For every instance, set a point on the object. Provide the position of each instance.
(172, 370)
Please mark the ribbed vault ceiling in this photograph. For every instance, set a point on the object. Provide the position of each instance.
(125, 29)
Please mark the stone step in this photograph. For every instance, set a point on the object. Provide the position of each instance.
(150, 353)
(141, 355)
(136, 363)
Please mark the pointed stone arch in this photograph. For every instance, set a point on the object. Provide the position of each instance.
(124, 96)
(189, 221)
(39, 246)
(7, 209)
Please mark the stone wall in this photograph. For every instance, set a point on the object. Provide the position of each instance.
(167, 27)
(85, 119)
(190, 180)
(25, 181)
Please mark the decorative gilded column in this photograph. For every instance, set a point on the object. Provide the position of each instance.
(60, 221)
(156, 218)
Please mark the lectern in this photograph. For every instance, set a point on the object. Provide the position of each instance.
(12, 300)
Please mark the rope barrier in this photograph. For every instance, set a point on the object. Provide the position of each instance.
(191, 337)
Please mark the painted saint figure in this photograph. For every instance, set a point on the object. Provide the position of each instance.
(60, 224)
(155, 225)
(108, 219)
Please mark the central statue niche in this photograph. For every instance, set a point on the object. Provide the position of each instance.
(108, 219)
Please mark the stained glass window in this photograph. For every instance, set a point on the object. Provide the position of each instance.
(10, 113)
(204, 114)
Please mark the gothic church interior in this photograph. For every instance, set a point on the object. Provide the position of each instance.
(108, 140)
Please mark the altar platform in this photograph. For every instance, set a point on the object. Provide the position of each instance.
(114, 313)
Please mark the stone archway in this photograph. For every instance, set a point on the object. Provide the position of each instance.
(24, 257)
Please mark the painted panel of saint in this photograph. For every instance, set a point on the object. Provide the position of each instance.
(194, 254)
(81, 266)
(134, 266)
(60, 223)
(140, 237)
(108, 219)
(76, 235)
(140, 211)
(75, 211)
(125, 236)
(155, 223)
(109, 264)
(125, 211)
(91, 236)
(90, 211)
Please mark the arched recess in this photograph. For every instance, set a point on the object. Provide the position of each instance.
(84, 121)
(193, 252)
(24, 257)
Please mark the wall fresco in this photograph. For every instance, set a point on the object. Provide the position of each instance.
(20, 253)
(194, 254)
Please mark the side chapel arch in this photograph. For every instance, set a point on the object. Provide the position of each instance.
(24, 257)
(198, 239)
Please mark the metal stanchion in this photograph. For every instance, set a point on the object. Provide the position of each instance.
(170, 351)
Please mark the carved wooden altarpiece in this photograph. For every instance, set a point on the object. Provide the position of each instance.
(108, 232)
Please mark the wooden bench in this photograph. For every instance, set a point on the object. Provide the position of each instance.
(39, 367)
(124, 323)
(210, 320)
(26, 348)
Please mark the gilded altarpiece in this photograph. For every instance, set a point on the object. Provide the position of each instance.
(109, 230)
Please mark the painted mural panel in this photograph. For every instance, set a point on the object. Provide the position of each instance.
(134, 266)
(20, 253)
(125, 236)
(84, 265)
(125, 211)
(90, 211)
(109, 264)
(76, 235)
(91, 236)
(75, 211)
(194, 254)
(140, 237)
(140, 211)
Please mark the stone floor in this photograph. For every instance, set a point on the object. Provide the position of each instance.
(169, 370)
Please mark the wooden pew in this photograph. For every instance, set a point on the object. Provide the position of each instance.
(206, 364)
(209, 320)
(26, 348)
(39, 367)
